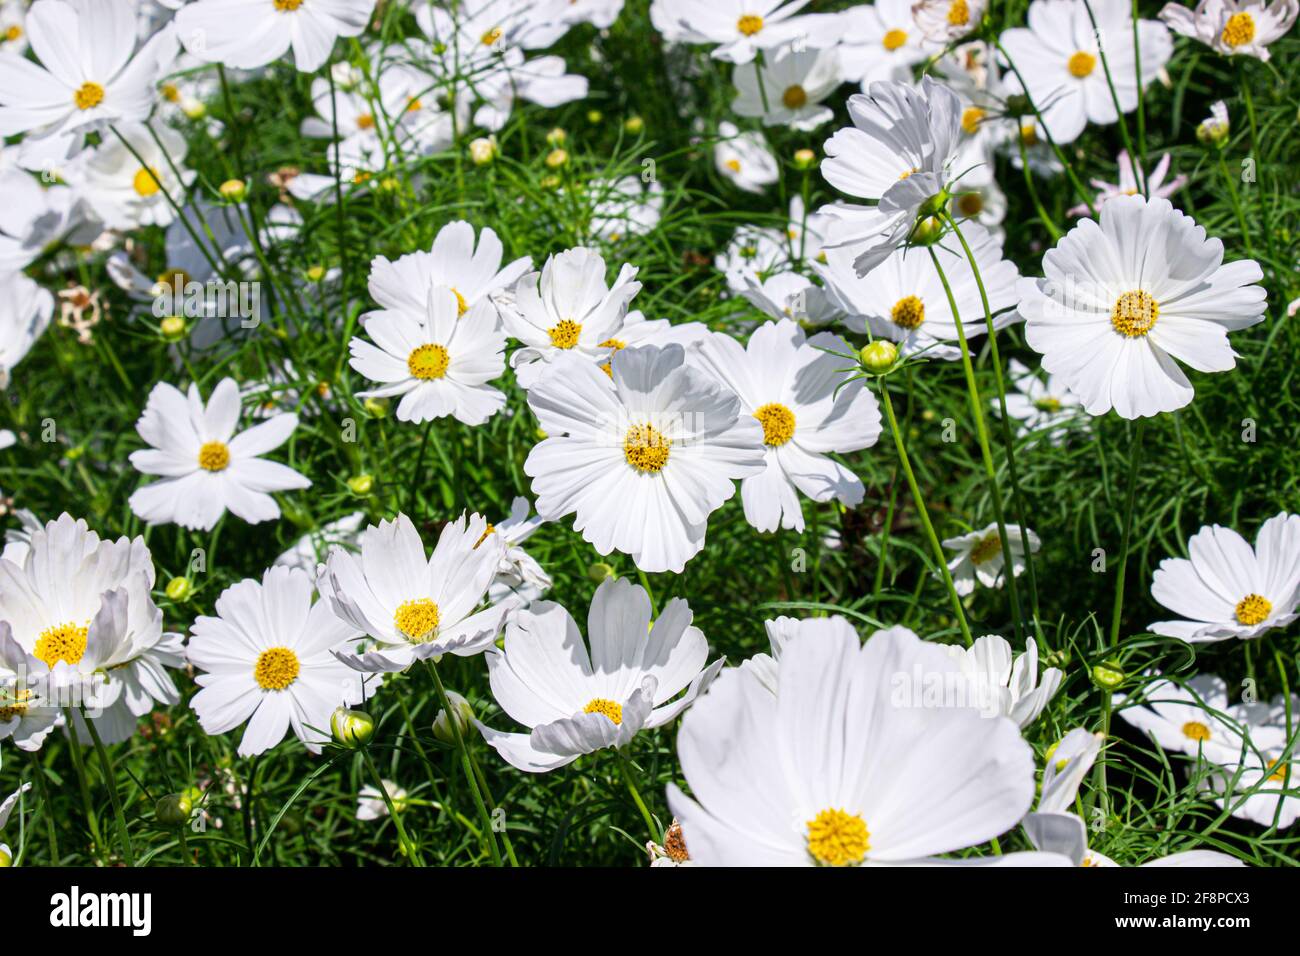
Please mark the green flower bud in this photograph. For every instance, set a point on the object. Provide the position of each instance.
(376, 407)
(879, 356)
(351, 728)
(805, 159)
(599, 572)
(233, 190)
(556, 137)
(173, 810)
(557, 158)
(634, 125)
(172, 328)
(1108, 675)
(361, 484)
(464, 714)
(179, 589)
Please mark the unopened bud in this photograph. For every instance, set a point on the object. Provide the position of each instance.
(557, 158)
(376, 407)
(351, 728)
(634, 125)
(233, 190)
(878, 357)
(361, 484)
(464, 715)
(556, 137)
(1108, 675)
(179, 589)
(804, 159)
(173, 810)
(599, 572)
(172, 328)
(483, 150)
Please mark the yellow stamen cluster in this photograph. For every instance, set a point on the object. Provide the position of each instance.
(417, 619)
(365, 121)
(971, 118)
(733, 165)
(1239, 30)
(970, 204)
(428, 362)
(64, 642)
(214, 456)
(491, 36)
(13, 703)
(1195, 730)
(146, 183)
(986, 548)
(908, 312)
(893, 39)
(749, 24)
(1253, 609)
(777, 422)
(958, 13)
(1081, 64)
(276, 668)
(564, 334)
(794, 97)
(1134, 314)
(88, 96)
(602, 705)
(646, 448)
(838, 838)
(1047, 404)
(287, 6)
(171, 93)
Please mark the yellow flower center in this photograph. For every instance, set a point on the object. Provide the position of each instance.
(176, 278)
(971, 118)
(276, 668)
(986, 548)
(1048, 404)
(838, 838)
(417, 619)
(1195, 730)
(461, 306)
(1134, 314)
(733, 165)
(614, 345)
(287, 6)
(491, 36)
(646, 448)
(146, 183)
(777, 422)
(564, 334)
(66, 642)
(1029, 134)
(365, 121)
(601, 705)
(170, 92)
(14, 703)
(1253, 609)
(794, 97)
(894, 39)
(958, 13)
(88, 96)
(214, 456)
(749, 24)
(1239, 30)
(970, 204)
(1081, 64)
(908, 312)
(1278, 774)
(428, 362)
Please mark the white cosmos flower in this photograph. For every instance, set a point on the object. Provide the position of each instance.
(1120, 301)
(623, 207)
(518, 575)
(1262, 788)
(791, 90)
(1004, 684)
(13, 26)
(835, 769)
(898, 152)
(90, 73)
(984, 203)
(780, 631)
(642, 455)
(246, 34)
(1228, 589)
(78, 626)
(440, 366)
(947, 20)
(471, 272)
(1053, 829)
(753, 253)
(1059, 56)
(792, 295)
(980, 558)
(567, 308)
(311, 548)
(126, 193)
(881, 41)
(1037, 405)
(1233, 27)
(1194, 718)
(903, 298)
(744, 159)
(205, 467)
(35, 217)
(796, 389)
(1131, 180)
(413, 607)
(576, 701)
(268, 658)
(371, 804)
(741, 28)
(25, 313)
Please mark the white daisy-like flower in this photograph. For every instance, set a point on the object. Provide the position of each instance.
(944, 21)
(90, 73)
(1194, 718)
(309, 550)
(1059, 56)
(13, 27)
(903, 298)
(838, 769)
(898, 152)
(126, 193)
(740, 28)
(1053, 829)
(980, 558)
(797, 391)
(780, 631)
(518, 576)
(881, 41)
(439, 366)
(790, 90)
(205, 467)
(642, 455)
(1233, 27)
(1040, 406)
(371, 804)
(78, 626)
(567, 308)
(1131, 179)
(792, 295)
(577, 700)
(25, 313)
(744, 159)
(471, 272)
(753, 253)
(268, 658)
(1004, 684)
(1262, 787)
(1228, 589)
(623, 207)
(984, 203)
(412, 607)
(1120, 301)
(246, 34)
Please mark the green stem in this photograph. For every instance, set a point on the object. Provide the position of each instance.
(1135, 457)
(409, 849)
(79, 764)
(625, 769)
